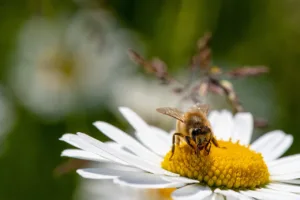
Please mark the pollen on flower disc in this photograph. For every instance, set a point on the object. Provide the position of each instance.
(235, 166)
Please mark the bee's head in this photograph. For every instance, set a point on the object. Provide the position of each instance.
(197, 131)
(200, 131)
(199, 134)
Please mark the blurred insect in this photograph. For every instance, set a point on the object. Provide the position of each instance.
(192, 126)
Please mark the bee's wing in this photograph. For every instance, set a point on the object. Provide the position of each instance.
(173, 112)
(204, 108)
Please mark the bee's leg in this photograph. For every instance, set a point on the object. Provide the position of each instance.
(199, 148)
(174, 141)
(190, 142)
(207, 148)
(215, 142)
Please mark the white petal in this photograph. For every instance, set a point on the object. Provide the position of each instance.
(259, 195)
(136, 121)
(212, 117)
(118, 147)
(284, 187)
(194, 191)
(280, 149)
(153, 143)
(116, 166)
(222, 124)
(145, 133)
(140, 180)
(231, 194)
(290, 165)
(296, 181)
(283, 194)
(84, 155)
(265, 194)
(242, 128)
(126, 157)
(81, 144)
(127, 141)
(285, 177)
(105, 173)
(179, 179)
(216, 196)
(114, 145)
(206, 198)
(284, 160)
(269, 142)
(262, 141)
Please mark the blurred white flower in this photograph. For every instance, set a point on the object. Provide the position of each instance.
(145, 96)
(63, 65)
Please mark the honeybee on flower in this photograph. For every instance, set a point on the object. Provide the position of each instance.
(192, 127)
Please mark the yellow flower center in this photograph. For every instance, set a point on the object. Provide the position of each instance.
(59, 66)
(235, 166)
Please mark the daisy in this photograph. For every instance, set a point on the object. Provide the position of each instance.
(241, 171)
(64, 61)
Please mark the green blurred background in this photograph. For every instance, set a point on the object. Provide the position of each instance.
(244, 33)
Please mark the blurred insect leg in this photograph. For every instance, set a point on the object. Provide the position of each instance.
(207, 149)
(175, 141)
(215, 142)
(191, 142)
(199, 149)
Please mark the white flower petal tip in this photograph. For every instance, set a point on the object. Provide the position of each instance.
(243, 128)
(139, 180)
(91, 174)
(134, 119)
(273, 150)
(84, 155)
(124, 109)
(66, 137)
(107, 173)
(86, 145)
(262, 141)
(153, 138)
(191, 192)
(283, 145)
(127, 141)
(124, 157)
(222, 124)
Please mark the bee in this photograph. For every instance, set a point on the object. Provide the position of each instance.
(193, 127)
